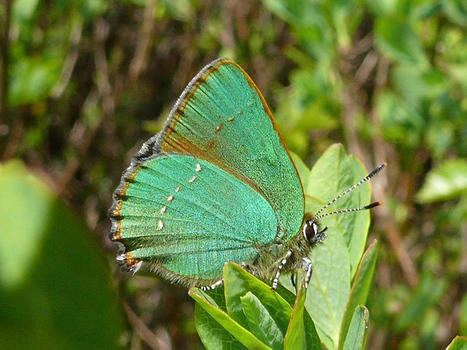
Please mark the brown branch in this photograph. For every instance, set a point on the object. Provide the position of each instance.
(394, 238)
(349, 98)
(70, 61)
(140, 59)
(369, 63)
(14, 140)
(143, 331)
(353, 97)
(81, 137)
(382, 152)
(101, 32)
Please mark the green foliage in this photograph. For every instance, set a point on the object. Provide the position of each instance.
(397, 39)
(335, 261)
(458, 343)
(324, 313)
(54, 282)
(333, 173)
(257, 317)
(427, 293)
(358, 329)
(447, 181)
(360, 287)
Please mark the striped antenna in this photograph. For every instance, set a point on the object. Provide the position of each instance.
(348, 210)
(350, 189)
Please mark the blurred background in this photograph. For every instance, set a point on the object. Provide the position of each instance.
(84, 83)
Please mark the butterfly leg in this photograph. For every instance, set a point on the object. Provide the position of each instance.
(213, 286)
(284, 260)
(307, 267)
(246, 266)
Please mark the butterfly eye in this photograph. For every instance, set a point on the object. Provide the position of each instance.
(310, 230)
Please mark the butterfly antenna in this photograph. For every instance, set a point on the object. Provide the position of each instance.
(350, 189)
(348, 210)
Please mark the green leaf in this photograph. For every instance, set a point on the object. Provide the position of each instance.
(360, 287)
(415, 84)
(382, 7)
(212, 334)
(33, 78)
(303, 171)
(241, 334)
(330, 284)
(458, 343)
(295, 337)
(358, 330)
(238, 283)
(313, 341)
(54, 282)
(445, 182)
(427, 293)
(401, 123)
(397, 39)
(456, 11)
(333, 173)
(179, 9)
(330, 287)
(260, 322)
(463, 316)
(23, 11)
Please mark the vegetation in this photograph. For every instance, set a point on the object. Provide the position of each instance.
(83, 84)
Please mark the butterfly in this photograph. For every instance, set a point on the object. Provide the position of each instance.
(217, 185)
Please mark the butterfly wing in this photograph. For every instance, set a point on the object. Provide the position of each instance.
(216, 185)
(223, 118)
(187, 217)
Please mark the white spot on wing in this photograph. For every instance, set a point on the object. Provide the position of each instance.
(192, 179)
(163, 210)
(170, 198)
(160, 225)
(198, 167)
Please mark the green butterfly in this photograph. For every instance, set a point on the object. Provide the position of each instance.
(217, 184)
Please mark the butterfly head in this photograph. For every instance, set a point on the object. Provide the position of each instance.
(312, 232)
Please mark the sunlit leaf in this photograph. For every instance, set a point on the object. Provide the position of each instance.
(334, 172)
(330, 284)
(212, 334)
(302, 169)
(244, 336)
(260, 322)
(360, 287)
(444, 182)
(458, 343)
(358, 329)
(428, 291)
(397, 39)
(295, 337)
(463, 316)
(238, 283)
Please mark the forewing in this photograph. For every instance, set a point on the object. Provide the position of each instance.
(187, 217)
(222, 117)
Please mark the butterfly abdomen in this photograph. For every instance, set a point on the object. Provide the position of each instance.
(270, 256)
